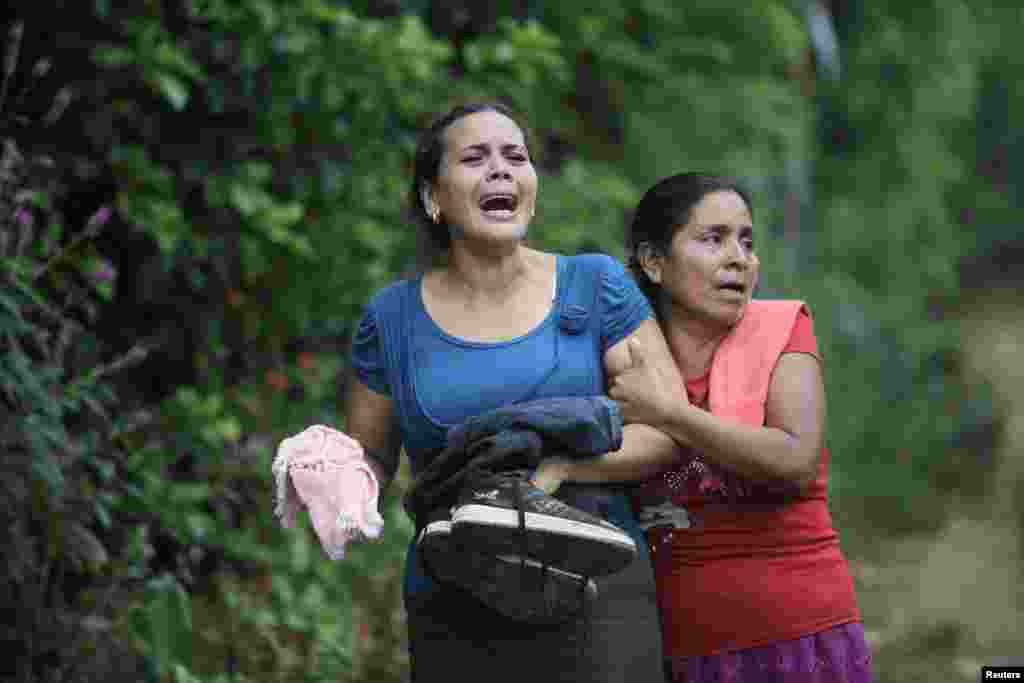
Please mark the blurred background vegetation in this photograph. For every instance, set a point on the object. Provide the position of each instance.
(198, 196)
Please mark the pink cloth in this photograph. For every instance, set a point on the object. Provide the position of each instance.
(741, 371)
(325, 471)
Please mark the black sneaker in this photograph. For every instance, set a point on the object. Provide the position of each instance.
(526, 590)
(517, 587)
(506, 515)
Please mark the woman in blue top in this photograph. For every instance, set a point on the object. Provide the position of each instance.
(489, 326)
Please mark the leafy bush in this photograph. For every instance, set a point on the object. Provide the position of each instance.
(58, 442)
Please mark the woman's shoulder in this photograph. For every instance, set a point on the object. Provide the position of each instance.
(388, 298)
(600, 269)
(780, 315)
(596, 261)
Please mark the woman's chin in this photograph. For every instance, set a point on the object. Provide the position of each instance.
(734, 313)
(724, 314)
(492, 230)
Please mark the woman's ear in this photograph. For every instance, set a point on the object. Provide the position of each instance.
(650, 261)
(429, 205)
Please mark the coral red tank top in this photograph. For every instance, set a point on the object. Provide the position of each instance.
(757, 563)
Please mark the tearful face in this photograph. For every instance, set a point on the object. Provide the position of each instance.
(487, 185)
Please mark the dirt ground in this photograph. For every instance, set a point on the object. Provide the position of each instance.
(939, 608)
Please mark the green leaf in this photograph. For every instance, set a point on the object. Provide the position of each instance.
(283, 215)
(171, 57)
(791, 37)
(113, 55)
(327, 12)
(164, 621)
(229, 429)
(257, 172)
(174, 90)
(102, 512)
(45, 467)
(11, 307)
(248, 198)
(185, 495)
(198, 525)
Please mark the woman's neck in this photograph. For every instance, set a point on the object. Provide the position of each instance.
(692, 342)
(488, 276)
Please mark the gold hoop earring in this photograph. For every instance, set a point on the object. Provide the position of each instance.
(435, 214)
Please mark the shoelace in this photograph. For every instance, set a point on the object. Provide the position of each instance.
(549, 604)
(518, 495)
(550, 601)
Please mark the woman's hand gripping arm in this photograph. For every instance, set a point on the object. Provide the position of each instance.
(645, 449)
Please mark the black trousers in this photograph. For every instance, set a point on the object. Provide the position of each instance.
(455, 638)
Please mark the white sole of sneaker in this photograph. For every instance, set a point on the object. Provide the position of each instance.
(503, 517)
(441, 526)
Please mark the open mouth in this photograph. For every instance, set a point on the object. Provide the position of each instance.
(733, 287)
(499, 205)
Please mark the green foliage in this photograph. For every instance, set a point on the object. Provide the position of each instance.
(890, 244)
(56, 411)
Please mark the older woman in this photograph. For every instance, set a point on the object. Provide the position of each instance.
(479, 330)
(752, 584)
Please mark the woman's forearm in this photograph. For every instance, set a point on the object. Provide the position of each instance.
(644, 452)
(753, 452)
(786, 446)
(757, 453)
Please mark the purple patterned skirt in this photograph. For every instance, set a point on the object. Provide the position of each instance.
(837, 655)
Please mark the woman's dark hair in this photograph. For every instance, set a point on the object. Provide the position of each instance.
(427, 166)
(664, 209)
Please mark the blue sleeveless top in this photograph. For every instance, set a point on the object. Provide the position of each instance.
(436, 380)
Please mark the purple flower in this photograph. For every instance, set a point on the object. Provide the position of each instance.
(100, 218)
(104, 271)
(24, 217)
